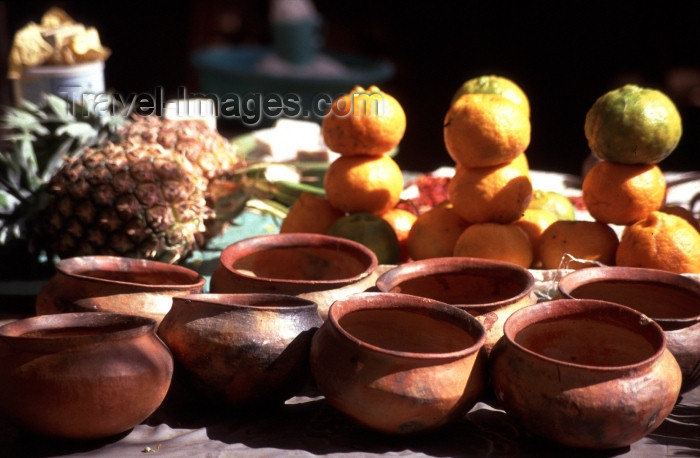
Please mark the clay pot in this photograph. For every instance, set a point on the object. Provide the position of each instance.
(670, 299)
(489, 290)
(82, 375)
(399, 364)
(585, 373)
(314, 266)
(242, 349)
(115, 284)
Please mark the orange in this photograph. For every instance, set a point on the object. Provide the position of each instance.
(372, 231)
(534, 221)
(364, 122)
(633, 125)
(503, 242)
(498, 194)
(435, 232)
(495, 84)
(402, 221)
(310, 213)
(484, 130)
(660, 241)
(683, 213)
(586, 240)
(371, 184)
(623, 193)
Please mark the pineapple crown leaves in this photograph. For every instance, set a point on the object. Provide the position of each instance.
(36, 139)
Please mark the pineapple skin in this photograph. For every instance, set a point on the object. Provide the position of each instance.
(128, 199)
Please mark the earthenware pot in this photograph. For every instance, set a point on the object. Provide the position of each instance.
(585, 373)
(399, 364)
(116, 284)
(489, 290)
(315, 266)
(670, 299)
(242, 349)
(82, 375)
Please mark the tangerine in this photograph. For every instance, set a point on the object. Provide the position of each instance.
(365, 122)
(503, 242)
(582, 240)
(498, 194)
(310, 213)
(495, 84)
(370, 184)
(435, 232)
(402, 221)
(623, 193)
(484, 130)
(660, 241)
(633, 125)
(534, 222)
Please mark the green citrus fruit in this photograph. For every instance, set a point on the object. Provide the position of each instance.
(633, 125)
(372, 231)
(494, 84)
(553, 202)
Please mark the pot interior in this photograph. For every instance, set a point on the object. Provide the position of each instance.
(655, 300)
(73, 325)
(463, 287)
(141, 277)
(588, 340)
(301, 263)
(406, 331)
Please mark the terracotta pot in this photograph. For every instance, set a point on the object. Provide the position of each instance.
(314, 266)
(399, 364)
(243, 349)
(115, 284)
(82, 375)
(670, 299)
(489, 290)
(585, 373)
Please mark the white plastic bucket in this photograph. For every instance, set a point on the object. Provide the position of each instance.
(69, 81)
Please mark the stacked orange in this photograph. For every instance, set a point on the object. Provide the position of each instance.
(364, 184)
(486, 132)
(630, 130)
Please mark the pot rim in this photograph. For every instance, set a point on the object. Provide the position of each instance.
(133, 326)
(243, 300)
(73, 267)
(436, 266)
(253, 244)
(575, 307)
(671, 280)
(404, 302)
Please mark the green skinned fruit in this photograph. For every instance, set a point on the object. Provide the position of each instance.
(554, 202)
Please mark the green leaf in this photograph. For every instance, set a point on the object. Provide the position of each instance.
(82, 131)
(7, 200)
(61, 108)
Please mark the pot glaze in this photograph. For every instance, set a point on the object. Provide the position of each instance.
(314, 266)
(82, 375)
(117, 285)
(489, 290)
(399, 364)
(243, 349)
(585, 373)
(670, 299)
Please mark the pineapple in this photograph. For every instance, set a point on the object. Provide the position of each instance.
(126, 199)
(83, 183)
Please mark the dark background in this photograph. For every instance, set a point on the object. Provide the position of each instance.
(564, 57)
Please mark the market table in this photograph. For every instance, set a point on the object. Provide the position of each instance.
(308, 426)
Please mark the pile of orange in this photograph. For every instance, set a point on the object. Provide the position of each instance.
(364, 184)
(630, 130)
(486, 132)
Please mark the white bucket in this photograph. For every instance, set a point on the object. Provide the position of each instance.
(69, 81)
